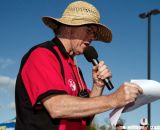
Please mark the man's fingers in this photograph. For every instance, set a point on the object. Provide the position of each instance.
(101, 69)
(133, 85)
(95, 68)
(101, 63)
(140, 90)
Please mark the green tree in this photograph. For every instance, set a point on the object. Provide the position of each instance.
(91, 128)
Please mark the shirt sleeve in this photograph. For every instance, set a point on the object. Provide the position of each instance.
(42, 76)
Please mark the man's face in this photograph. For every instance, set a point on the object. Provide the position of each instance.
(82, 37)
(120, 127)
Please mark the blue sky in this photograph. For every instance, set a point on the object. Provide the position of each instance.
(21, 28)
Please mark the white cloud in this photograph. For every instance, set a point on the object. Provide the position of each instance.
(7, 88)
(7, 82)
(12, 106)
(4, 63)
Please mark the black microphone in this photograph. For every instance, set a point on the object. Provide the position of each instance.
(91, 55)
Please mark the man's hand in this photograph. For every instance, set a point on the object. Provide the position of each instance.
(127, 93)
(99, 73)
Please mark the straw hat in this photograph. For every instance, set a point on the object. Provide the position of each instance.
(81, 13)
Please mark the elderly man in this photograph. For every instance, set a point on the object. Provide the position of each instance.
(50, 91)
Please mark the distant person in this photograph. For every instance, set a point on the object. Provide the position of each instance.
(120, 125)
(144, 124)
(51, 93)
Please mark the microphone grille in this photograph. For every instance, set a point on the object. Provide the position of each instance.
(90, 53)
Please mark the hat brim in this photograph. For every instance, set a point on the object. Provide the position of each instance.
(103, 33)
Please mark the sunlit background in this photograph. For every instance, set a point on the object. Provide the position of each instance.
(21, 27)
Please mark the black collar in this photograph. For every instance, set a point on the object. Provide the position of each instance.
(61, 47)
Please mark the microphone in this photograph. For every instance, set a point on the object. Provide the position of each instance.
(91, 55)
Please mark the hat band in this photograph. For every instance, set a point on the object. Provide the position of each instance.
(82, 19)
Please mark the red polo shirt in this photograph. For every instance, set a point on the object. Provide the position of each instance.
(41, 75)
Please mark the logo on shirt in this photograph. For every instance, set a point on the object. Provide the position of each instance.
(72, 84)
